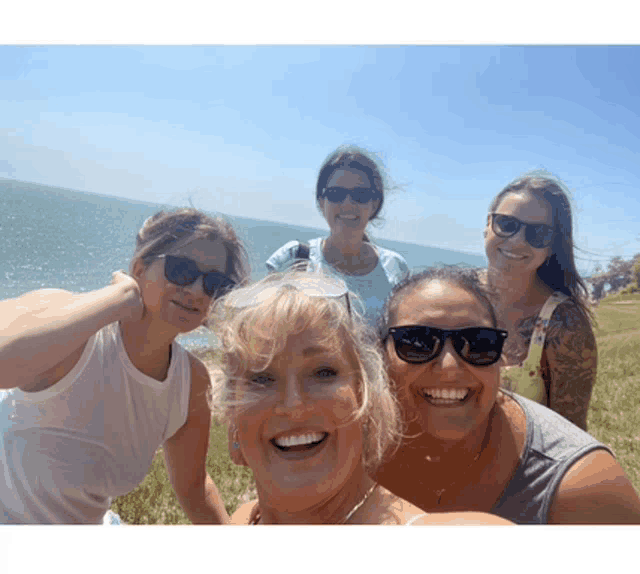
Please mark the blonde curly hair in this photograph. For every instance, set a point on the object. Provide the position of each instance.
(254, 324)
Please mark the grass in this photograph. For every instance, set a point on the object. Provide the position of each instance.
(614, 419)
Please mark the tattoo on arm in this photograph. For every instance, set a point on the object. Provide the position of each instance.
(571, 363)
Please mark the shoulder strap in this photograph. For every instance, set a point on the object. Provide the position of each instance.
(303, 251)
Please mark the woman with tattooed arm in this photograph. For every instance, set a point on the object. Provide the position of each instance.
(540, 299)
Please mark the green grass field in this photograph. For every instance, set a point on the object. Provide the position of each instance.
(614, 419)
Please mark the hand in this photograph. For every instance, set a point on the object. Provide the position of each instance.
(134, 301)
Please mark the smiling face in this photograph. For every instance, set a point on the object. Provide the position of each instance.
(446, 398)
(348, 217)
(182, 307)
(297, 431)
(513, 254)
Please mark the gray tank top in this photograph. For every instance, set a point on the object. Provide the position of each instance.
(552, 446)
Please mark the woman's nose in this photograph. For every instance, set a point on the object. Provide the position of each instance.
(291, 398)
(449, 360)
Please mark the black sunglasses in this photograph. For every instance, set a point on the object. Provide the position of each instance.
(479, 346)
(538, 235)
(184, 271)
(357, 194)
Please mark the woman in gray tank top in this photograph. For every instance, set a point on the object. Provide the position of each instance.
(471, 445)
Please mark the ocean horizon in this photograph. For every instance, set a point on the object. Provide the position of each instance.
(74, 240)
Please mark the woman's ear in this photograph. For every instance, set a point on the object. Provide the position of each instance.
(234, 447)
(138, 269)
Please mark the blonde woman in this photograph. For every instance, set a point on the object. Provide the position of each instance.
(302, 385)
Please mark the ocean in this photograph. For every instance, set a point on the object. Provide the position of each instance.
(54, 237)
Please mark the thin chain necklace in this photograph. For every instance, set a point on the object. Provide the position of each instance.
(485, 442)
(255, 519)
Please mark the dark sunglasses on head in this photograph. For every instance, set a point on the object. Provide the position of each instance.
(184, 271)
(538, 235)
(357, 194)
(479, 346)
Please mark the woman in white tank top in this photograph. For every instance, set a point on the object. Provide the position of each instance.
(95, 382)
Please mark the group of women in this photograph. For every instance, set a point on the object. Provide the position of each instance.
(356, 392)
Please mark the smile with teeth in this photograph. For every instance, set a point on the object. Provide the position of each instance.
(445, 396)
(300, 441)
(510, 255)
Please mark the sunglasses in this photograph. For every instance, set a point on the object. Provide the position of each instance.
(310, 284)
(357, 194)
(184, 271)
(478, 346)
(538, 235)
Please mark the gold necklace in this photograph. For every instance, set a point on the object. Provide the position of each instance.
(256, 515)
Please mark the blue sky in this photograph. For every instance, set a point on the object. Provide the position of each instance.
(243, 130)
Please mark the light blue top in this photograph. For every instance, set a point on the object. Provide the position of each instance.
(372, 288)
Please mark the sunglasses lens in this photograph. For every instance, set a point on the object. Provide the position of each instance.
(180, 270)
(335, 194)
(539, 236)
(504, 225)
(478, 346)
(339, 194)
(416, 345)
(217, 284)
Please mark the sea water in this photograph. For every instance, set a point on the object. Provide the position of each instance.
(53, 237)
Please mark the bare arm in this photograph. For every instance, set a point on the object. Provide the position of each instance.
(571, 361)
(40, 329)
(185, 455)
(595, 491)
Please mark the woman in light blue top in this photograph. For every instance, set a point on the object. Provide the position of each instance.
(349, 193)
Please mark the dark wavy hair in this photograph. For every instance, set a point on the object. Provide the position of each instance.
(463, 277)
(559, 270)
(353, 157)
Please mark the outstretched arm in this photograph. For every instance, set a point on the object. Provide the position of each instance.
(185, 455)
(571, 363)
(40, 329)
(595, 490)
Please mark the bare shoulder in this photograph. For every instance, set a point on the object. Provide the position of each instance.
(243, 514)
(200, 382)
(595, 490)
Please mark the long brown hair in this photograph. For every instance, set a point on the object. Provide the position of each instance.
(559, 270)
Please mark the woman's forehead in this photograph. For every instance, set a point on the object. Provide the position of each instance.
(441, 302)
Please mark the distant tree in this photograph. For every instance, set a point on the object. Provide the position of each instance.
(620, 274)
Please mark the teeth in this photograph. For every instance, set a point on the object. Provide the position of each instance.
(298, 440)
(449, 394)
(349, 217)
(510, 255)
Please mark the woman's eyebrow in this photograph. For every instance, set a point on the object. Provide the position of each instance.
(310, 351)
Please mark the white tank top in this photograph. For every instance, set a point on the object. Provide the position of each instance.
(67, 450)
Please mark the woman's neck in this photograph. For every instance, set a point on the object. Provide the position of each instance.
(346, 247)
(461, 451)
(517, 290)
(343, 506)
(148, 347)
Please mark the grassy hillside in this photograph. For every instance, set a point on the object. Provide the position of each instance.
(614, 418)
